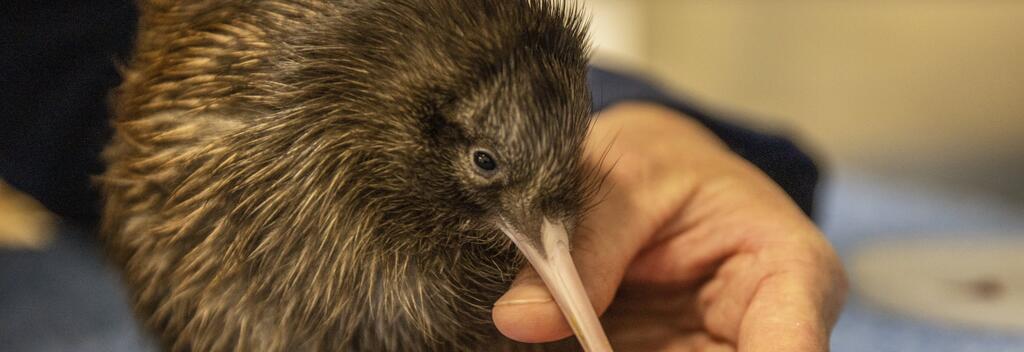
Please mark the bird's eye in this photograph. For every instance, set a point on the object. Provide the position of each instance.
(484, 162)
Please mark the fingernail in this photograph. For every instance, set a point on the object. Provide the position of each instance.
(518, 301)
(525, 294)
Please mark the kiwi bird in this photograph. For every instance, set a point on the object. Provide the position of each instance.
(347, 175)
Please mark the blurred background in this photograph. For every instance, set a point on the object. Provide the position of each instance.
(930, 89)
(914, 109)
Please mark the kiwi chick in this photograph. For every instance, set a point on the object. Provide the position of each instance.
(293, 175)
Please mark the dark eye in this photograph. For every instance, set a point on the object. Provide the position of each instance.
(484, 161)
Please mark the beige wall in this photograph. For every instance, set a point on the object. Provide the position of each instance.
(924, 88)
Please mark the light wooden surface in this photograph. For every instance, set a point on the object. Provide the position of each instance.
(24, 223)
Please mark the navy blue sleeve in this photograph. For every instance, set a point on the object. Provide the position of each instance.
(776, 155)
(59, 63)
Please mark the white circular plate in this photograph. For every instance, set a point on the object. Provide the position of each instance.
(969, 281)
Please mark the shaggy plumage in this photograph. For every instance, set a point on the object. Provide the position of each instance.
(293, 175)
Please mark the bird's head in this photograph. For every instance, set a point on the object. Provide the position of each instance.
(507, 112)
(503, 108)
(498, 92)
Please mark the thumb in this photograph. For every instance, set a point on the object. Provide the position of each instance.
(602, 248)
(528, 312)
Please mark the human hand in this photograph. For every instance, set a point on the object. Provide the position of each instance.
(691, 249)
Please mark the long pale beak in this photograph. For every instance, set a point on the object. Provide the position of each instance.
(549, 255)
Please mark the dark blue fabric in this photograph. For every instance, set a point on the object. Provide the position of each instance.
(57, 64)
(65, 298)
(776, 155)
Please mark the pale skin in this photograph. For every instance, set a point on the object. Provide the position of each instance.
(690, 249)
